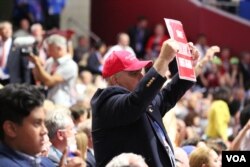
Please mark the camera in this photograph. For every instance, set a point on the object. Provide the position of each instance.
(27, 45)
(26, 51)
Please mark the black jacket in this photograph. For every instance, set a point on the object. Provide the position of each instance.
(122, 120)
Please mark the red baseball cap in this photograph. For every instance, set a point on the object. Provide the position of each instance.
(122, 61)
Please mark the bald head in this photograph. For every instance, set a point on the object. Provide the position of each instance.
(127, 159)
(37, 31)
(181, 157)
(123, 39)
(5, 30)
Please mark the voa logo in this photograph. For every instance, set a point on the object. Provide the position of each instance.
(236, 158)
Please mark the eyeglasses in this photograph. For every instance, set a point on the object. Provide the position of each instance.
(69, 130)
(177, 160)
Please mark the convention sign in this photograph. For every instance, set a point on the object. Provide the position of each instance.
(183, 57)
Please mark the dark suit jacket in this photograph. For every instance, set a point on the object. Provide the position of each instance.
(90, 161)
(133, 34)
(245, 71)
(122, 120)
(10, 158)
(17, 66)
(94, 64)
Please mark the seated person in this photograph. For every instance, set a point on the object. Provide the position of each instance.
(204, 156)
(22, 131)
(61, 133)
(127, 159)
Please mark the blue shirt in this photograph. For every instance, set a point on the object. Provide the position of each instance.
(34, 160)
(55, 6)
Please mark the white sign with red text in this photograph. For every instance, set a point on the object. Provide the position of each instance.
(183, 57)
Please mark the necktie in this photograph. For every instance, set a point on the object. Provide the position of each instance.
(166, 145)
(54, 68)
(139, 41)
(160, 133)
(3, 56)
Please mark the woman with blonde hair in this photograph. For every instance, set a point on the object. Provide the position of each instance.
(204, 157)
(82, 143)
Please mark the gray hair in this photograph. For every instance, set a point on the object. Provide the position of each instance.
(35, 26)
(116, 75)
(56, 119)
(127, 160)
(57, 40)
(5, 23)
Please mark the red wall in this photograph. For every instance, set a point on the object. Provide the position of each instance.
(109, 17)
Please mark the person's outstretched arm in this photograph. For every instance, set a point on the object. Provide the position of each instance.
(238, 139)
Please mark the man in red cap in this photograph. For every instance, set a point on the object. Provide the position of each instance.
(127, 116)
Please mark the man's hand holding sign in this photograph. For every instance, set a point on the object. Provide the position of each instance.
(188, 68)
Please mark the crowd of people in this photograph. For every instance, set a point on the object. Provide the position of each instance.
(45, 12)
(121, 105)
(231, 6)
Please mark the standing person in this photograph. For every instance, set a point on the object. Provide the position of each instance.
(133, 106)
(139, 35)
(201, 44)
(54, 10)
(123, 41)
(219, 114)
(38, 32)
(59, 73)
(13, 65)
(20, 8)
(155, 42)
(23, 28)
(95, 60)
(36, 11)
(82, 49)
(23, 132)
(244, 67)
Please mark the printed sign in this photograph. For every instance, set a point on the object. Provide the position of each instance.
(183, 57)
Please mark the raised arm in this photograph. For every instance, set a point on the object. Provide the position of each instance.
(238, 139)
(207, 58)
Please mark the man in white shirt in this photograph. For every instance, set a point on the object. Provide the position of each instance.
(13, 65)
(122, 45)
(60, 72)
